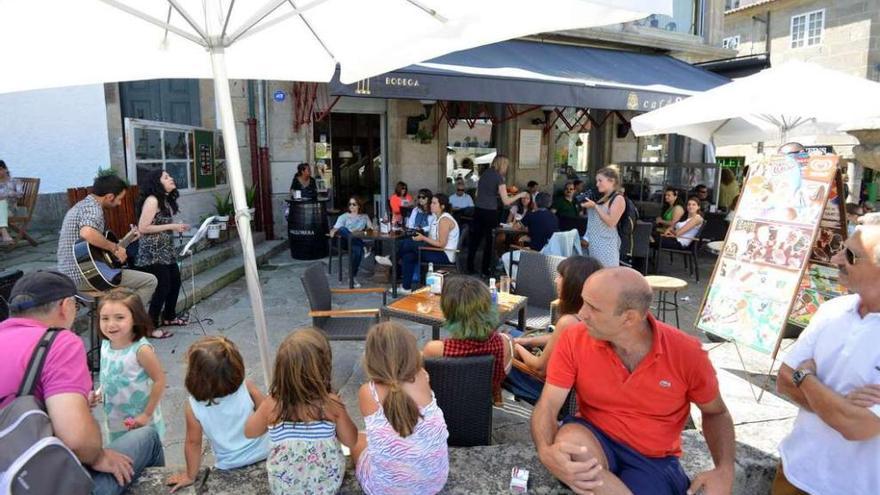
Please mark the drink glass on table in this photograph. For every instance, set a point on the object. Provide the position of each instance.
(504, 284)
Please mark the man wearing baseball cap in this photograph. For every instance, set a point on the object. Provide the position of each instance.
(44, 300)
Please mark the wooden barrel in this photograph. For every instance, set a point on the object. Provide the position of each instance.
(307, 229)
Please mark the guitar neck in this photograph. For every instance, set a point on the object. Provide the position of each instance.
(125, 241)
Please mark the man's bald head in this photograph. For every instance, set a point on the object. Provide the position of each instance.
(631, 289)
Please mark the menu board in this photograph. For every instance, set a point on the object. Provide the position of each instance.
(768, 248)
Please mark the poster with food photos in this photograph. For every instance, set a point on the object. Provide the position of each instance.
(818, 285)
(768, 247)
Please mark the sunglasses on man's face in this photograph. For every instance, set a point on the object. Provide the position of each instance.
(850, 256)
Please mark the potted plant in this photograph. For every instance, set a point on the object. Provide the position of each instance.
(423, 136)
(225, 212)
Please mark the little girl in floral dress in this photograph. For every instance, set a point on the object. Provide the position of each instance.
(305, 420)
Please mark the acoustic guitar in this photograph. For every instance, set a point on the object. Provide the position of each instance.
(98, 266)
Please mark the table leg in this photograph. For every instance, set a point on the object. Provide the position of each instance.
(522, 319)
(350, 265)
(394, 269)
(339, 255)
(435, 332)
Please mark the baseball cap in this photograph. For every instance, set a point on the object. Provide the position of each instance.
(38, 288)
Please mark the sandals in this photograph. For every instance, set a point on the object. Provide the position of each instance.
(177, 322)
(159, 334)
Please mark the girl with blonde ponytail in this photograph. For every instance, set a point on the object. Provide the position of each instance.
(404, 447)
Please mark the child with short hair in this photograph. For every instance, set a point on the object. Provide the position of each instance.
(306, 421)
(219, 403)
(404, 448)
(132, 379)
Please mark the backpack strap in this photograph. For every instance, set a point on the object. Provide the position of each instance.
(35, 365)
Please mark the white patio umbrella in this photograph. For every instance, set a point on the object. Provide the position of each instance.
(56, 43)
(791, 100)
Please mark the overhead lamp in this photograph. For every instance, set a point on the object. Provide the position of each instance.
(429, 105)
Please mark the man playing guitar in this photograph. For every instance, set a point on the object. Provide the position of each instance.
(85, 220)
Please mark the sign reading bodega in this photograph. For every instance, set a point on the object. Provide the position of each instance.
(402, 81)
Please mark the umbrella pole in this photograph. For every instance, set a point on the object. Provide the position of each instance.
(242, 217)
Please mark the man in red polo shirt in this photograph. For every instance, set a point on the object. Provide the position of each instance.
(635, 378)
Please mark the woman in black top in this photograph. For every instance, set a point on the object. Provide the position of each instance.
(490, 189)
(304, 182)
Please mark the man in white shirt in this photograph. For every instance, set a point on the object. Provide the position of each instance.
(461, 199)
(833, 374)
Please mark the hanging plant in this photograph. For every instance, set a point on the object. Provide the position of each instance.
(423, 136)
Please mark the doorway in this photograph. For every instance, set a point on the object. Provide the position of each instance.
(352, 164)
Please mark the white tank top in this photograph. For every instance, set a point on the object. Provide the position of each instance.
(688, 237)
(451, 239)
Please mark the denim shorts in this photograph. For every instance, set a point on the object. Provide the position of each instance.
(642, 475)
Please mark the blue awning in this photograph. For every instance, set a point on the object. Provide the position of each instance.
(534, 73)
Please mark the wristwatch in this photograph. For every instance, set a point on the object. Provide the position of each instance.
(800, 375)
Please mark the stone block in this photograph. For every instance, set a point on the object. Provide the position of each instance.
(483, 469)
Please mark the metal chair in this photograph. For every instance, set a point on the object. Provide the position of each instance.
(689, 254)
(463, 389)
(338, 324)
(540, 272)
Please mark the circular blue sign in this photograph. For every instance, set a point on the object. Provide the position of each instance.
(280, 95)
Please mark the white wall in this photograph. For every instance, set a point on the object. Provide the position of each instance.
(58, 135)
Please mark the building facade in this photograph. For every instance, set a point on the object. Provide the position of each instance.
(362, 143)
(843, 35)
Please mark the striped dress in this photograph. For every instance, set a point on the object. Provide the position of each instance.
(392, 465)
(304, 458)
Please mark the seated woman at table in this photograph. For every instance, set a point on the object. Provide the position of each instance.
(526, 379)
(304, 182)
(680, 235)
(471, 321)
(346, 224)
(673, 209)
(400, 198)
(420, 216)
(443, 233)
(519, 209)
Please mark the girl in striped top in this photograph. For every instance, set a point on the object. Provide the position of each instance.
(404, 448)
(305, 420)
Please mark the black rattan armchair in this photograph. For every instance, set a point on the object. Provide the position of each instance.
(463, 388)
(338, 324)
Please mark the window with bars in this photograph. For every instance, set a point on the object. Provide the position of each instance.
(806, 29)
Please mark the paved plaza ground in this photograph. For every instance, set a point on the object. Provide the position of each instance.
(761, 425)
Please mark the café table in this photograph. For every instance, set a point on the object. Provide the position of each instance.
(423, 307)
(507, 230)
(377, 236)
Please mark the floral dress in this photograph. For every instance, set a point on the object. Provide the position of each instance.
(126, 388)
(305, 458)
(157, 248)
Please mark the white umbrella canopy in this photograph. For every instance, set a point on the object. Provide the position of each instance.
(791, 100)
(57, 43)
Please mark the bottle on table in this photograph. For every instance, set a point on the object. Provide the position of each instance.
(493, 291)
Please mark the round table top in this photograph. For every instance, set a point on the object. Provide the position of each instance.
(715, 247)
(662, 282)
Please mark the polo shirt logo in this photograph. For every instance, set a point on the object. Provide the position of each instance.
(665, 384)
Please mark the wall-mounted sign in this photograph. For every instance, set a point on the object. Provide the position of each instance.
(279, 96)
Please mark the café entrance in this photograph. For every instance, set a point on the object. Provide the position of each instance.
(351, 161)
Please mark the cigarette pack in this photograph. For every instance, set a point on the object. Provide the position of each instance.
(519, 480)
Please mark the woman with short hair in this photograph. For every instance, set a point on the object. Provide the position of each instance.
(472, 323)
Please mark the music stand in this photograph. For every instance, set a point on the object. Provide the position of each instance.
(188, 250)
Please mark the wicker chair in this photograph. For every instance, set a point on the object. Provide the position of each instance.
(463, 388)
(641, 246)
(689, 254)
(338, 324)
(23, 210)
(540, 272)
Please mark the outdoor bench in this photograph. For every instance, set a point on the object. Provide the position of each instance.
(477, 470)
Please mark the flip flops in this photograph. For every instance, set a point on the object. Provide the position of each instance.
(160, 334)
(177, 322)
